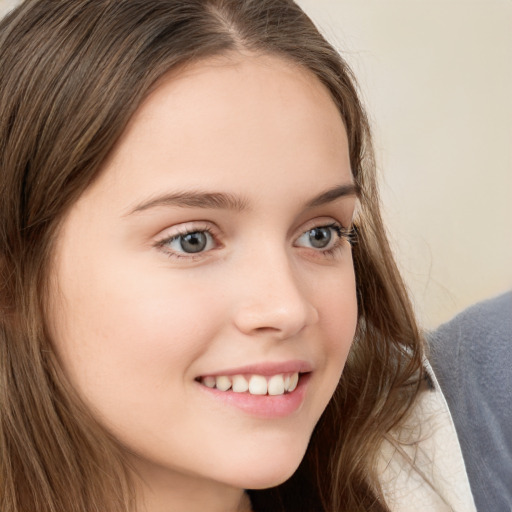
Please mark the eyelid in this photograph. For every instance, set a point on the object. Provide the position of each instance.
(185, 228)
(319, 222)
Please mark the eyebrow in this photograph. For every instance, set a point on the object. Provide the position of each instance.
(347, 189)
(194, 199)
(226, 201)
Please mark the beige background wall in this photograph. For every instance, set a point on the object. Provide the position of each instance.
(436, 76)
(7, 4)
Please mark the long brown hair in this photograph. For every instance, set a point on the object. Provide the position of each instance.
(72, 73)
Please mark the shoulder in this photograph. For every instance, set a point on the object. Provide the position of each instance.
(472, 357)
(472, 329)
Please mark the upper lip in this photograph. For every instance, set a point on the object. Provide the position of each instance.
(266, 368)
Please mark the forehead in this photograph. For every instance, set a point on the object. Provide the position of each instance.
(228, 119)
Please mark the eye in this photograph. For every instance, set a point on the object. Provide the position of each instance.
(192, 242)
(321, 237)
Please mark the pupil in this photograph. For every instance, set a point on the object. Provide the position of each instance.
(320, 237)
(193, 242)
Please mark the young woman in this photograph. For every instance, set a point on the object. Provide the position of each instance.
(200, 310)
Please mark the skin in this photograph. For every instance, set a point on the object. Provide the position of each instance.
(135, 321)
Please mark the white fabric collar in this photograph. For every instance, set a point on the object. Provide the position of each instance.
(440, 482)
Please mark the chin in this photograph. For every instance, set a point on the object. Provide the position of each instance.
(272, 471)
(269, 481)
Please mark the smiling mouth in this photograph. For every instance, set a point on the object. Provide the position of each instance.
(272, 385)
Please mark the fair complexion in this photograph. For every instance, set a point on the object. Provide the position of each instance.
(213, 244)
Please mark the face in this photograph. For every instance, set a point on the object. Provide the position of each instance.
(207, 268)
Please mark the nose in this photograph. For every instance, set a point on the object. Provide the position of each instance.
(273, 299)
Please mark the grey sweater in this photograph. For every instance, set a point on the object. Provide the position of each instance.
(472, 358)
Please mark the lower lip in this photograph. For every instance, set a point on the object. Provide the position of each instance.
(263, 406)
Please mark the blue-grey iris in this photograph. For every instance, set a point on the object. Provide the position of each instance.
(320, 237)
(193, 242)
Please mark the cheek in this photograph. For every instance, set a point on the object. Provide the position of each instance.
(338, 310)
(338, 314)
(123, 333)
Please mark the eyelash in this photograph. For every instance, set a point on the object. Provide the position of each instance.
(343, 234)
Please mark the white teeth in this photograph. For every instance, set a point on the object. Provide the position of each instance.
(255, 385)
(294, 379)
(276, 385)
(240, 384)
(223, 383)
(258, 385)
(209, 382)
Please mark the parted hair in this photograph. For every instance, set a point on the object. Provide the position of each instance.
(72, 73)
